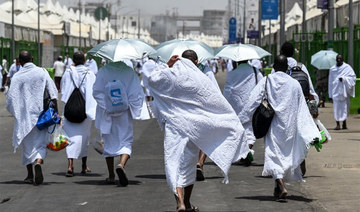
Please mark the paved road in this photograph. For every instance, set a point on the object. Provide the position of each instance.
(148, 191)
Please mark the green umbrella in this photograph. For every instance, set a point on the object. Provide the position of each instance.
(178, 46)
(324, 59)
(122, 49)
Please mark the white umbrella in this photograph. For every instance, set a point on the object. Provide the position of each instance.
(324, 59)
(237, 52)
(262, 53)
(178, 46)
(122, 49)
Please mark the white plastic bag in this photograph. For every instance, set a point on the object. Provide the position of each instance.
(59, 139)
(322, 128)
(98, 143)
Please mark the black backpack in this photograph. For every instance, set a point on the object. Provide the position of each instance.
(297, 73)
(75, 106)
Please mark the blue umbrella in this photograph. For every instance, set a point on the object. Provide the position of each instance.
(324, 59)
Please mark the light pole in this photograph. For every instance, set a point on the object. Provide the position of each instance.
(80, 25)
(282, 22)
(351, 35)
(39, 50)
(303, 29)
(331, 25)
(12, 31)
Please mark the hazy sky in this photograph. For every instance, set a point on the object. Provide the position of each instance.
(151, 7)
(185, 7)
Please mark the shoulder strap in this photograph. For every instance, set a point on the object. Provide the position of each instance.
(81, 80)
(265, 94)
(256, 79)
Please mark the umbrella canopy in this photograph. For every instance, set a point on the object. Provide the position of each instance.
(238, 52)
(122, 49)
(178, 46)
(262, 53)
(324, 59)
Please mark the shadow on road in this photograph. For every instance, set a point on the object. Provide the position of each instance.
(102, 182)
(78, 174)
(19, 182)
(152, 176)
(271, 198)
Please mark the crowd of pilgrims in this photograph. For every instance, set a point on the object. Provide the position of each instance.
(198, 120)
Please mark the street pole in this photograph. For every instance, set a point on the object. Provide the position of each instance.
(12, 31)
(39, 50)
(244, 20)
(259, 24)
(138, 24)
(351, 35)
(282, 22)
(303, 30)
(80, 25)
(270, 41)
(100, 18)
(331, 25)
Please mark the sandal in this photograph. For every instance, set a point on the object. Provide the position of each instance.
(123, 180)
(69, 173)
(28, 181)
(192, 209)
(109, 181)
(87, 170)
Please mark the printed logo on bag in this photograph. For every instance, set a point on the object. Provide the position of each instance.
(116, 98)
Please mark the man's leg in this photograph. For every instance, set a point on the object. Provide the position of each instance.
(337, 125)
(187, 195)
(199, 167)
(84, 168)
(70, 171)
(180, 199)
(344, 127)
(120, 170)
(110, 166)
(282, 190)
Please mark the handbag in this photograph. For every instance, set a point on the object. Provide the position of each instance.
(262, 117)
(48, 118)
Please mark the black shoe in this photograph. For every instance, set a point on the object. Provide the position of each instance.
(39, 178)
(122, 176)
(199, 174)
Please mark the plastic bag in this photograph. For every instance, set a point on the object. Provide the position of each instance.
(98, 143)
(59, 139)
(322, 128)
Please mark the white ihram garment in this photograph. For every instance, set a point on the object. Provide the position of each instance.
(292, 128)
(117, 130)
(341, 92)
(91, 64)
(192, 109)
(239, 83)
(25, 102)
(209, 73)
(79, 133)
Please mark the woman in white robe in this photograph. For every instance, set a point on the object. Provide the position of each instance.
(25, 102)
(194, 115)
(79, 133)
(341, 85)
(117, 128)
(291, 131)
